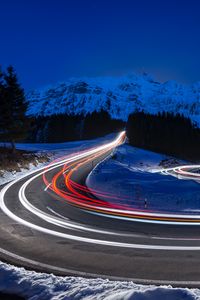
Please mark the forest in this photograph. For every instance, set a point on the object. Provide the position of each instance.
(168, 133)
(62, 127)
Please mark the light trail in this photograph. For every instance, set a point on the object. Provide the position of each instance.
(63, 230)
(182, 172)
(80, 196)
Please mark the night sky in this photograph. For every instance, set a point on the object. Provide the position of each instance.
(51, 40)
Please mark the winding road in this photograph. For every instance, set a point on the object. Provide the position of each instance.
(50, 221)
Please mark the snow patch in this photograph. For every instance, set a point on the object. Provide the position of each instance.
(9, 176)
(41, 286)
(154, 294)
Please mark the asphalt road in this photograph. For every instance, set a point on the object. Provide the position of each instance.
(76, 241)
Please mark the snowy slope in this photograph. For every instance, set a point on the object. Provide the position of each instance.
(118, 95)
(132, 175)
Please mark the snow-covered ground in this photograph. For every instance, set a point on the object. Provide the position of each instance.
(131, 176)
(119, 96)
(41, 286)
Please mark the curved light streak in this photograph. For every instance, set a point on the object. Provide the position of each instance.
(96, 206)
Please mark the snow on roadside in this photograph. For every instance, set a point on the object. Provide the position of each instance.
(52, 150)
(41, 286)
(132, 175)
(9, 176)
(126, 160)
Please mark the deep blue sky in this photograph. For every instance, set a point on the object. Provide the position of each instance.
(51, 40)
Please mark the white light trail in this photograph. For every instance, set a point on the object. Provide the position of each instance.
(64, 223)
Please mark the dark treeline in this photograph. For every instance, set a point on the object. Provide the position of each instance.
(165, 133)
(13, 122)
(61, 128)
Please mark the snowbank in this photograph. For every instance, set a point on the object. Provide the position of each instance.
(41, 286)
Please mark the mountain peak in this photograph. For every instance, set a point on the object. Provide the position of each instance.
(124, 94)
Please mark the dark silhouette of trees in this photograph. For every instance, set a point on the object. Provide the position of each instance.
(56, 128)
(62, 128)
(165, 133)
(99, 124)
(13, 121)
(4, 105)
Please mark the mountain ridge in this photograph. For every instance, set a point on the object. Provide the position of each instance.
(119, 96)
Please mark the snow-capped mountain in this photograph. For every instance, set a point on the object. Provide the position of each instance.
(120, 96)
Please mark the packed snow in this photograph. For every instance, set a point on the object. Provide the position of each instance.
(41, 286)
(118, 95)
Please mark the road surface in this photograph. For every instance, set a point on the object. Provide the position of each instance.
(51, 222)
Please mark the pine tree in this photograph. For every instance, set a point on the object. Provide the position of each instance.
(14, 107)
(1, 98)
(3, 105)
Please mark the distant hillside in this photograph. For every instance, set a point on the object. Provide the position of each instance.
(119, 96)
